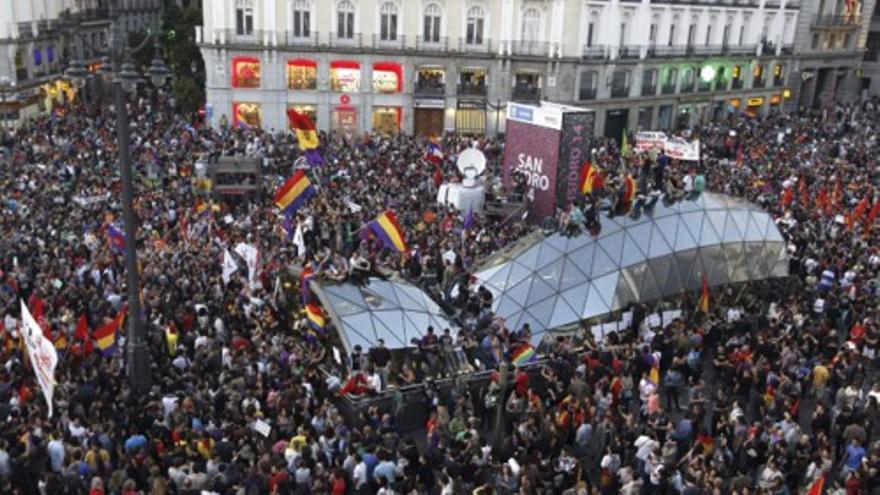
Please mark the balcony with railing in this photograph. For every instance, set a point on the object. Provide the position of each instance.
(430, 88)
(470, 89)
(629, 52)
(340, 40)
(649, 88)
(836, 21)
(292, 38)
(529, 48)
(687, 86)
(471, 46)
(594, 52)
(668, 88)
(435, 44)
(742, 50)
(585, 94)
(707, 50)
(25, 30)
(234, 37)
(666, 51)
(526, 92)
(398, 43)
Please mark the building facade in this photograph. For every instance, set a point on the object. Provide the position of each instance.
(39, 37)
(428, 66)
(870, 83)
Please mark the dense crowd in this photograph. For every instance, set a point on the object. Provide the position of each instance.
(774, 402)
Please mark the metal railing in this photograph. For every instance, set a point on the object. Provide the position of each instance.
(25, 30)
(232, 36)
(430, 89)
(667, 89)
(687, 86)
(471, 90)
(629, 51)
(787, 50)
(587, 94)
(524, 92)
(337, 40)
(649, 89)
(529, 48)
(619, 91)
(707, 50)
(836, 21)
(742, 50)
(293, 39)
(398, 43)
(484, 47)
(666, 51)
(440, 44)
(594, 52)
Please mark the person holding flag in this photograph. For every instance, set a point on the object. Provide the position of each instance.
(306, 136)
(294, 193)
(387, 229)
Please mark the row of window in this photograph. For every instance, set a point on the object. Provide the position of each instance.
(302, 74)
(668, 81)
(593, 25)
(432, 21)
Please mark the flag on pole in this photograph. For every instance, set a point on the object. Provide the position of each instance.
(524, 354)
(115, 239)
(872, 216)
(302, 125)
(817, 486)
(587, 176)
(629, 189)
(42, 354)
(703, 305)
(229, 266)
(81, 333)
(624, 145)
(316, 317)
(388, 230)
(107, 335)
(433, 153)
(294, 193)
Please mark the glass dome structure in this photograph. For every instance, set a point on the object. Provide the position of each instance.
(554, 281)
(394, 311)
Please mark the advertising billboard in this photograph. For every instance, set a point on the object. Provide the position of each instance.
(576, 139)
(533, 151)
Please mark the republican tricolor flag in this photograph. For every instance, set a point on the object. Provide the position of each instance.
(316, 317)
(294, 193)
(387, 229)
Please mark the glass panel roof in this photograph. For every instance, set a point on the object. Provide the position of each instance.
(551, 281)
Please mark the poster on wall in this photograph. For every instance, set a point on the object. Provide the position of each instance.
(246, 72)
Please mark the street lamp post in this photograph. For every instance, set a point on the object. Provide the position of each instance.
(124, 78)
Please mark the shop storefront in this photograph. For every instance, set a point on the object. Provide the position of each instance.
(753, 106)
(345, 76)
(344, 120)
(428, 119)
(247, 114)
(246, 72)
(302, 74)
(386, 120)
(470, 117)
(387, 78)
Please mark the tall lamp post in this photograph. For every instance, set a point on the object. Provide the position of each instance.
(123, 78)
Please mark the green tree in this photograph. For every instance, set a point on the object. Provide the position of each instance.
(182, 55)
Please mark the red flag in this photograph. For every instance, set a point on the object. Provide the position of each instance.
(822, 201)
(872, 215)
(184, 228)
(438, 177)
(816, 487)
(857, 213)
(787, 196)
(836, 195)
(804, 192)
(739, 156)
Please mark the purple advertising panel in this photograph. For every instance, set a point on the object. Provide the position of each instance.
(534, 152)
(577, 132)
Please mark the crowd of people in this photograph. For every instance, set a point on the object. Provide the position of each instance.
(244, 396)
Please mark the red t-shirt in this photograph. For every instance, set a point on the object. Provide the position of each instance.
(338, 487)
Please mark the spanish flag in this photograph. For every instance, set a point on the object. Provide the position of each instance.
(585, 182)
(304, 128)
(294, 193)
(316, 317)
(386, 228)
(629, 189)
(107, 334)
(703, 305)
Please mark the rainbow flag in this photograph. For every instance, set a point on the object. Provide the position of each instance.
(629, 189)
(115, 239)
(386, 228)
(524, 354)
(304, 128)
(703, 305)
(106, 335)
(316, 317)
(588, 174)
(294, 193)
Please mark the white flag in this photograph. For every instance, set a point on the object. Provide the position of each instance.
(229, 266)
(41, 352)
(298, 240)
(251, 257)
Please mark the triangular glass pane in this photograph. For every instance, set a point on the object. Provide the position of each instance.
(659, 246)
(632, 249)
(690, 268)
(683, 238)
(395, 319)
(520, 292)
(546, 255)
(529, 258)
(672, 284)
(542, 312)
(571, 275)
(563, 314)
(576, 297)
(557, 242)
(364, 323)
(506, 306)
(688, 205)
(540, 290)
(752, 256)
(731, 233)
(583, 258)
(488, 273)
(499, 279)
(613, 246)
(631, 280)
(513, 322)
(660, 268)
(534, 323)
(551, 273)
(741, 220)
(609, 226)
(355, 337)
(602, 263)
(773, 233)
(624, 293)
(579, 241)
(596, 304)
(708, 234)
(348, 292)
(649, 289)
(606, 286)
(757, 226)
(518, 273)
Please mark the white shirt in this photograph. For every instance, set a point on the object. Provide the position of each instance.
(359, 475)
